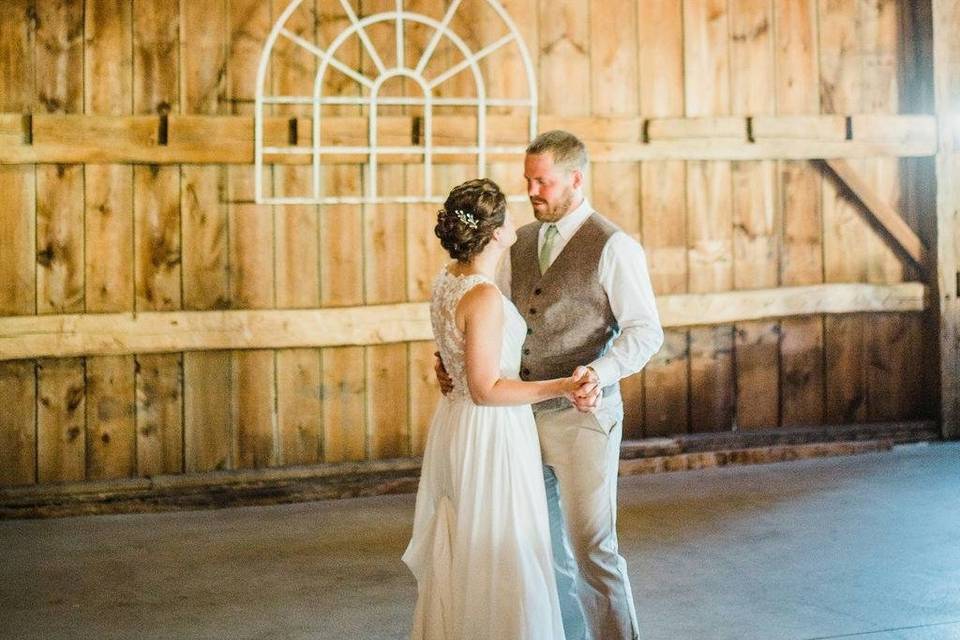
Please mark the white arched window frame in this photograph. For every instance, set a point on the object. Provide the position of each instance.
(327, 57)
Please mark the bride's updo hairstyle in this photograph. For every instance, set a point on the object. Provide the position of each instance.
(470, 215)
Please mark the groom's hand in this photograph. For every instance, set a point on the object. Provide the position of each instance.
(443, 378)
(587, 396)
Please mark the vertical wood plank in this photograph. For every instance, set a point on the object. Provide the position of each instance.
(424, 253)
(59, 86)
(895, 341)
(616, 195)
(801, 347)
(946, 21)
(251, 243)
(204, 238)
(757, 344)
(344, 404)
(616, 185)
(341, 277)
(18, 235)
(207, 397)
(385, 282)
(157, 237)
(299, 410)
(843, 226)
(425, 258)
(664, 212)
(505, 71)
(59, 56)
(564, 54)
(107, 85)
(424, 394)
(156, 60)
(385, 272)
(18, 435)
(387, 408)
(916, 89)
(17, 183)
(108, 65)
(709, 206)
(706, 57)
(157, 255)
(61, 451)
(18, 429)
(797, 92)
(111, 436)
(297, 233)
(341, 244)
(343, 369)
(207, 437)
(613, 56)
(60, 259)
(756, 216)
(159, 389)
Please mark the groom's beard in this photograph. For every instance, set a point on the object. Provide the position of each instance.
(552, 213)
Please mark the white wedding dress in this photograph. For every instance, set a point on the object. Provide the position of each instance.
(480, 548)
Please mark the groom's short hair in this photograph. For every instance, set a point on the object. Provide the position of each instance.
(567, 150)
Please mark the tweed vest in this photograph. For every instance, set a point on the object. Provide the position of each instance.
(569, 320)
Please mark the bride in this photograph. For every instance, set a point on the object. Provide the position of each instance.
(480, 548)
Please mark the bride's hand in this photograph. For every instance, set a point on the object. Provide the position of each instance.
(570, 386)
(586, 394)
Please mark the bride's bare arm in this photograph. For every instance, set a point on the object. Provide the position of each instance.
(480, 317)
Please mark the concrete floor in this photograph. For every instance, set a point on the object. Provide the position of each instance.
(865, 547)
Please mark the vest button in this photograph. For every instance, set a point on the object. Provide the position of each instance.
(526, 352)
(525, 372)
(533, 312)
(537, 291)
(529, 331)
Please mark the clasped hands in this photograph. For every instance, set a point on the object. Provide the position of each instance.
(586, 398)
(586, 394)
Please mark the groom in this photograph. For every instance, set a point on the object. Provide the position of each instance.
(582, 285)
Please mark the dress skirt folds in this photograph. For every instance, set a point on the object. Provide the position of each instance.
(480, 548)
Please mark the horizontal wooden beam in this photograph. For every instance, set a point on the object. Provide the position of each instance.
(401, 475)
(164, 332)
(881, 213)
(198, 139)
(23, 337)
(689, 310)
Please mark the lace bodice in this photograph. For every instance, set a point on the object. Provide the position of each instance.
(448, 289)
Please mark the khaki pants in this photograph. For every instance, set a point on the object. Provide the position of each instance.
(581, 454)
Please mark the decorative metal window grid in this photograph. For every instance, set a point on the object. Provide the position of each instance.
(373, 100)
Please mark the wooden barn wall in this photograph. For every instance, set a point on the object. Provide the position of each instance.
(106, 238)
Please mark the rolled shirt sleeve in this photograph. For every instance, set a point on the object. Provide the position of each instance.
(625, 279)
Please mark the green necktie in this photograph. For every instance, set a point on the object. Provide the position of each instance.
(547, 248)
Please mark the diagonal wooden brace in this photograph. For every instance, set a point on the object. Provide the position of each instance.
(880, 213)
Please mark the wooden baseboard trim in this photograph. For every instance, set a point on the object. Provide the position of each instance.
(358, 479)
(754, 455)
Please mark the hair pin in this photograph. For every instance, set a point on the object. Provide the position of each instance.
(466, 218)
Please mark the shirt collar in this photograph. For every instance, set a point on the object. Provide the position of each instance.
(570, 223)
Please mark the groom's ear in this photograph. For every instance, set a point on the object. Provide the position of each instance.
(576, 176)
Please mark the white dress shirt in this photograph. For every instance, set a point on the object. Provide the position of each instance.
(624, 277)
